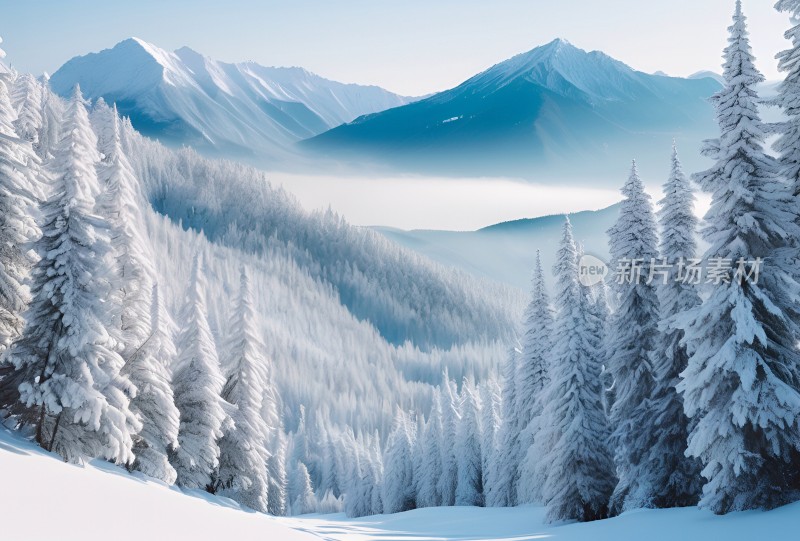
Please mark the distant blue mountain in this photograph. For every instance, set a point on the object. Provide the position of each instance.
(505, 252)
(556, 108)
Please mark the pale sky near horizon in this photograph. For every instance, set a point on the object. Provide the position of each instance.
(412, 47)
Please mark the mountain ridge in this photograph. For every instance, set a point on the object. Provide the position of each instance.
(545, 110)
(241, 109)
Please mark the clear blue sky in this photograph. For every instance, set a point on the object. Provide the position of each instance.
(409, 46)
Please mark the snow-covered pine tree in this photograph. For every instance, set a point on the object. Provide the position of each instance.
(149, 369)
(632, 339)
(490, 426)
(788, 143)
(503, 491)
(532, 380)
(277, 497)
(450, 420)
(70, 369)
(301, 493)
(105, 123)
(672, 479)
(398, 470)
(17, 226)
(428, 494)
(740, 386)
(275, 444)
(197, 383)
(52, 112)
(602, 312)
(579, 477)
(120, 203)
(469, 487)
(242, 473)
(376, 459)
(27, 100)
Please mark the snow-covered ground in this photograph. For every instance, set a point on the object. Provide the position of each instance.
(525, 523)
(42, 498)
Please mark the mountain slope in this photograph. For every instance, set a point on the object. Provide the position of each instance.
(101, 501)
(183, 97)
(556, 106)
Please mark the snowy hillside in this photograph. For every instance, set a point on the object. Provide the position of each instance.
(554, 112)
(108, 496)
(183, 97)
(30, 474)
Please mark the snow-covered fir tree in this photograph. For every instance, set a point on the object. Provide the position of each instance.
(578, 478)
(242, 473)
(740, 388)
(277, 496)
(301, 493)
(197, 383)
(532, 380)
(673, 479)
(632, 339)
(450, 420)
(105, 122)
(469, 487)
(120, 204)
(503, 491)
(70, 370)
(398, 469)
(491, 403)
(788, 99)
(52, 112)
(430, 467)
(149, 369)
(27, 100)
(17, 226)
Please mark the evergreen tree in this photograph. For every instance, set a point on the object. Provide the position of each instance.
(154, 403)
(469, 488)
(300, 491)
(105, 122)
(532, 380)
(673, 480)
(431, 464)
(490, 425)
(450, 420)
(50, 132)
(503, 491)
(17, 227)
(277, 497)
(788, 143)
(740, 386)
(398, 477)
(242, 472)
(197, 384)
(579, 475)
(69, 369)
(632, 336)
(27, 100)
(120, 204)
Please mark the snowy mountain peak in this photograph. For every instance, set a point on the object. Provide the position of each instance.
(186, 97)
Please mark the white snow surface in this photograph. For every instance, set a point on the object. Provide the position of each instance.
(42, 498)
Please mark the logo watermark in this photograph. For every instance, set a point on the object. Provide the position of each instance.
(715, 271)
(591, 270)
